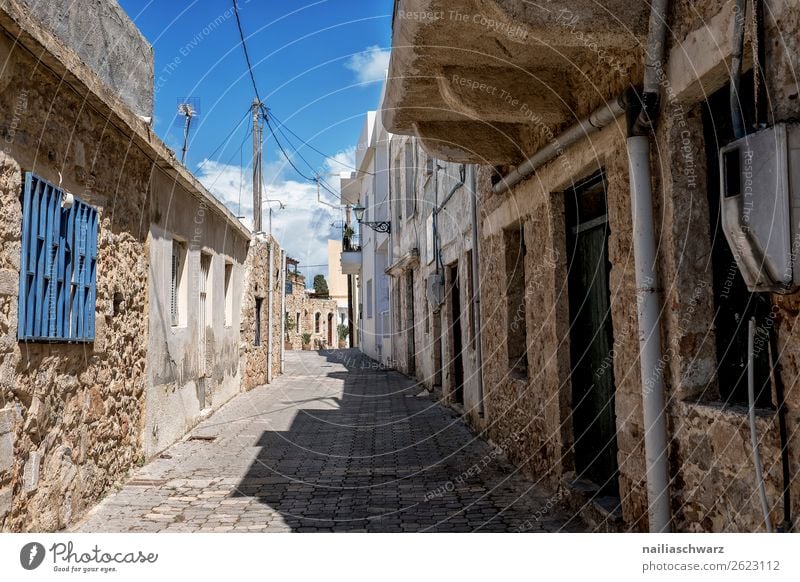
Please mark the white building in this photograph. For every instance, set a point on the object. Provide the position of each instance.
(369, 187)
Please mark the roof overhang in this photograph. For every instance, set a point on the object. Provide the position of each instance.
(488, 81)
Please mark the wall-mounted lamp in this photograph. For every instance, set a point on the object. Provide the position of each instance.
(383, 227)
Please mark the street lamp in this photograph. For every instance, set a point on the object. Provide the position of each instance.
(383, 227)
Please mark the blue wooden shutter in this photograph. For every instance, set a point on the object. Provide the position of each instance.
(58, 266)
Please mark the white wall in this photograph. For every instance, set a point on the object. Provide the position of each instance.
(175, 392)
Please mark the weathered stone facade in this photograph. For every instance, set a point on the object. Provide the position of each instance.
(72, 414)
(255, 358)
(75, 418)
(710, 462)
(315, 316)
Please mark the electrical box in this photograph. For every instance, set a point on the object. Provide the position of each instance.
(435, 290)
(760, 206)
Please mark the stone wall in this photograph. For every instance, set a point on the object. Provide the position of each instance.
(710, 460)
(70, 415)
(300, 302)
(104, 37)
(255, 358)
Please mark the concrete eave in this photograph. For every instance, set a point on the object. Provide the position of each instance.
(408, 261)
(481, 81)
(51, 53)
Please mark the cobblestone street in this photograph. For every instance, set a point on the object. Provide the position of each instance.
(333, 445)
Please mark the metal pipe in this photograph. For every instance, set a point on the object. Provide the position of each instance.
(596, 121)
(644, 246)
(751, 403)
(737, 117)
(653, 67)
(283, 311)
(476, 292)
(656, 444)
(269, 312)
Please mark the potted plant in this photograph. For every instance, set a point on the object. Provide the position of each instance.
(307, 342)
(289, 326)
(344, 333)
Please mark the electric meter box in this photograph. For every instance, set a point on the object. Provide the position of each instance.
(435, 291)
(760, 206)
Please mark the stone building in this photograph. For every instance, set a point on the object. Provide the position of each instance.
(614, 320)
(306, 314)
(263, 301)
(432, 293)
(115, 265)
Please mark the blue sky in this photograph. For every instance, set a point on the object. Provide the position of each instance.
(319, 66)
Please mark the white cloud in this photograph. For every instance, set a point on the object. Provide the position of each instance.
(302, 228)
(343, 162)
(370, 65)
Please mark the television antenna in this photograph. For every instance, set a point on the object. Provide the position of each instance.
(189, 109)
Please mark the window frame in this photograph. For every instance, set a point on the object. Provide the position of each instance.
(178, 290)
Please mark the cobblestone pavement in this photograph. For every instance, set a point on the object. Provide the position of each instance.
(333, 445)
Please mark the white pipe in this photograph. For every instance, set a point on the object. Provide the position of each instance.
(283, 311)
(476, 290)
(596, 121)
(751, 401)
(269, 313)
(644, 247)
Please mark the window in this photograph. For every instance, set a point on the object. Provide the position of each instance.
(177, 301)
(58, 267)
(369, 299)
(515, 252)
(317, 319)
(299, 324)
(257, 340)
(410, 171)
(204, 285)
(228, 294)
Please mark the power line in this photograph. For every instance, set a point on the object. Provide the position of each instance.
(225, 141)
(265, 115)
(244, 48)
(283, 151)
(317, 178)
(308, 144)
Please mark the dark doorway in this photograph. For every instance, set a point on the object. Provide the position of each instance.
(330, 330)
(734, 304)
(458, 344)
(411, 348)
(591, 336)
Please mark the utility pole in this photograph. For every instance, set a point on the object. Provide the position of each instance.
(256, 166)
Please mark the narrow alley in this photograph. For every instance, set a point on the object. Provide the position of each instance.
(336, 444)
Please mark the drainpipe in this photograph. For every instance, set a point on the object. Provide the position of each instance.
(476, 292)
(602, 117)
(269, 313)
(648, 304)
(283, 310)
